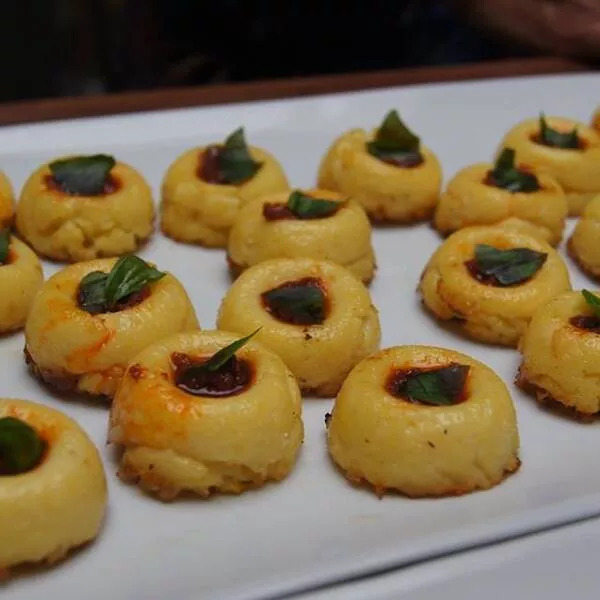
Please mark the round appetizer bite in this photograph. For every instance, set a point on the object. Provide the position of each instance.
(7, 202)
(314, 224)
(205, 187)
(564, 149)
(20, 278)
(485, 194)
(491, 280)
(596, 120)
(91, 318)
(425, 422)
(584, 244)
(314, 314)
(52, 485)
(561, 350)
(85, 207)
(393, 175)
(206, 412)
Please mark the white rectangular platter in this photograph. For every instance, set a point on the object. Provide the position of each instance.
(313, 528)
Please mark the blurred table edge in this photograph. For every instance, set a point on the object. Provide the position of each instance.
(166, 98)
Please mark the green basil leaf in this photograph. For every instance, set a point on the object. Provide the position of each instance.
(21, 448)
(235, 162)
(508, 267)
(82, 175)
(307, 207)
(593, 301)
(220, 358)
(4, 245)
(129, 275)
(394, 141)
(438, 387)
(297, 304)
(507, 176)
(92, 292)
(557, 139)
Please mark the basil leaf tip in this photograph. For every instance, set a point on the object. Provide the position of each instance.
(236, 164)
(508, 267)
(21, 447)
(4, 245)
(442, 386)
(304, 206)
(557, 139)
(102, 292)
(593, 301)
(220, 358)
(506, 175)
(82, 175)
(395, 143)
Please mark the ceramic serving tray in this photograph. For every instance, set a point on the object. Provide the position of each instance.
(313, 528)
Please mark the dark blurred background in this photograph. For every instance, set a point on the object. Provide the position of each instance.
(70, 47)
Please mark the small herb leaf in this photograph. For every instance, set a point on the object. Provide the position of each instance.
(101, 292)
(129, 275)
(593, 301)
(307, 207)
(508, 267)
(82, 175)
(4, 245)
(557, 139)
(236, 165)
(302, 304)
(507, 176)
(394, 142)
(439, 387)
(220, 358)
(21, 448)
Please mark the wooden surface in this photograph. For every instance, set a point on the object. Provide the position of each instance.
(64, 108)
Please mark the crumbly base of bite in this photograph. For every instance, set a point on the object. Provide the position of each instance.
(458, 489)
(546, 399)
(186, 226)
(594, 274)
(166, 474)
(98, 384)
(380, 215)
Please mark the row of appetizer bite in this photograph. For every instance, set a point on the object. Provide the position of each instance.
(85, 207)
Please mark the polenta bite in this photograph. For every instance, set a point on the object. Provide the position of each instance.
(423, 421)
(20, 278)
(89, 319)
(584, 244)
(485, 194)
(566, 150)
(205, 412)
(7, 201)
(388, 171)
(205, 187)
(52, 484)
(315, 315)
(560, 352)
(596, 120)
(490, 280)
(315, 224)
(85, 207)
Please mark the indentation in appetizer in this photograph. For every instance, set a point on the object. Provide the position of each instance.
(389, 172)
(84, 207)
(560, 349)
(204, 189)
(206, 412)
(89, 319)
(490, 280)
(423, 421)
(314, 314)
(53, 486)
(303, 224)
